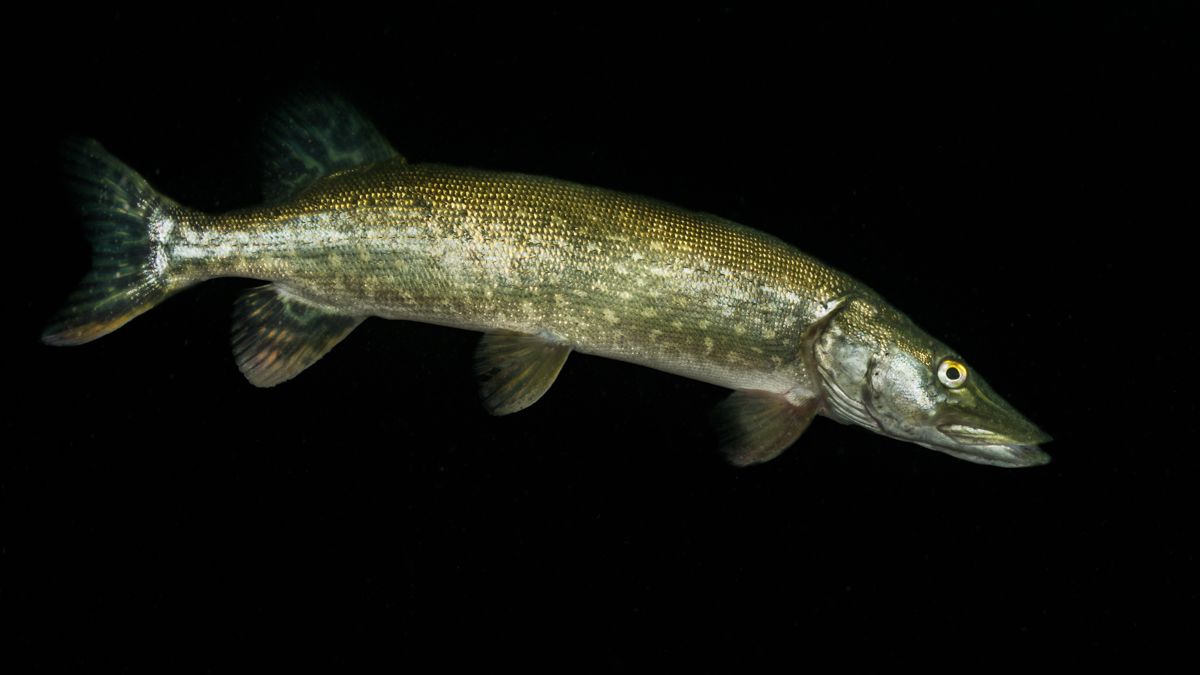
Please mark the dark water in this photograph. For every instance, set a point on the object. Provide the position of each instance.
(1011, 179)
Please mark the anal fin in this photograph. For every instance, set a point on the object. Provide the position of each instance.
(515, 370)
(276, 335)
(757, 426)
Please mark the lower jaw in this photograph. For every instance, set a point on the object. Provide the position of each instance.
(1013, 456)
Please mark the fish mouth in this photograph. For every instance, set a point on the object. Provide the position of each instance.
(1016, 449)
(1010, 455)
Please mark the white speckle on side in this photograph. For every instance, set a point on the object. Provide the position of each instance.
(161, 226)
(610, 316)
(552, 337)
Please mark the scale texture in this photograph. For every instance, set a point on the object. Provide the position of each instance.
(603, 272)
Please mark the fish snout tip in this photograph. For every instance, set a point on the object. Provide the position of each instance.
(1029, 455)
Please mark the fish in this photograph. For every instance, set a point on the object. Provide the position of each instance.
(542, 267)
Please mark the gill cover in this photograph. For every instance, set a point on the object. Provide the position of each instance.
(880, 371)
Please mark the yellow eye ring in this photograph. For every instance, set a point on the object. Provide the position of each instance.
(952, 373)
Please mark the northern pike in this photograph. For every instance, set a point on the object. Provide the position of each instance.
(542, 267)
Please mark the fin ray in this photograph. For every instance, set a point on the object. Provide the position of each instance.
(127, 223)
(515, 370)
(757, 426)
(276, 335)
(314, 136)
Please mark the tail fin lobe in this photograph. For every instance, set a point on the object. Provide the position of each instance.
(128, 224)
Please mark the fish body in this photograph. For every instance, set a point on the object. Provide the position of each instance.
(603, 272)
(543, 267)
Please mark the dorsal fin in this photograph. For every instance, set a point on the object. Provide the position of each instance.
(313, 136)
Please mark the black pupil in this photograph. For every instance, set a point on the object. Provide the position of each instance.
(952, 373)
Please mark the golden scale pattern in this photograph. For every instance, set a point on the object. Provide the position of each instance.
(604, 272)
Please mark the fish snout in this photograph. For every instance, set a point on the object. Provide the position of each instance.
(984, 446)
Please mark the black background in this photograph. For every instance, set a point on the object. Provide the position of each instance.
(1014, 179)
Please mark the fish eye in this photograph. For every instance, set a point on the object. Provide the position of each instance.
(952, 373)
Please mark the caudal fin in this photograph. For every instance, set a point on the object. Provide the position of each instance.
(128, 224)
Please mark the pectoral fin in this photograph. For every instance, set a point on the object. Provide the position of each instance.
(757, 426)
(276, 335)
(515, 370)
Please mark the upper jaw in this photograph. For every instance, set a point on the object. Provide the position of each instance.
(1025, 434)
